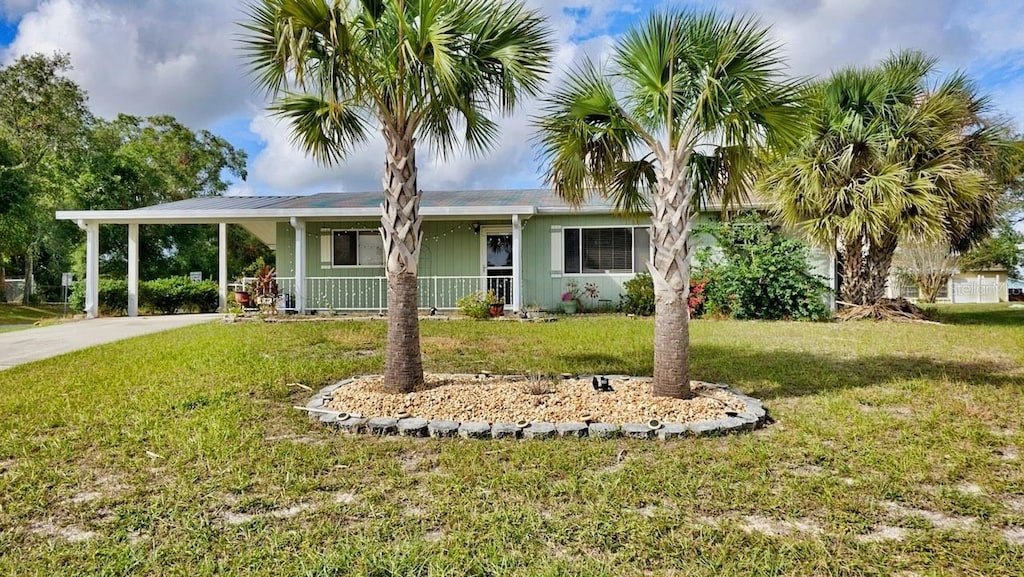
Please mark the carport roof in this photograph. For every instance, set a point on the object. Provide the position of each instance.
(331, 205)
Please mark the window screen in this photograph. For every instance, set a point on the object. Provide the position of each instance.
(371, 249)
(641, 248)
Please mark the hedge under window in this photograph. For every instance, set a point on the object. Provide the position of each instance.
(357, 248)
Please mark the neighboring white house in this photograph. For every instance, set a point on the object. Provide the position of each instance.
(987, 286)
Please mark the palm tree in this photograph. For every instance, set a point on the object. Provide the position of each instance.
(888, 158)
(433, 69)
(688, 100)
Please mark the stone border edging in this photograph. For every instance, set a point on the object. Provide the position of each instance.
(753, 416)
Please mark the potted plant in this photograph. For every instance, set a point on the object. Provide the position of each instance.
(496, 309)
(571, 297)
(264, 287)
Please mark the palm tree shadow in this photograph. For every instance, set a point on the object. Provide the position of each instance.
(994, 318)
(776, 374)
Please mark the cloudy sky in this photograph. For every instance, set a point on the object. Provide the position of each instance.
(180, 57)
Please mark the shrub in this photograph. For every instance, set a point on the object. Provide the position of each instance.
(166, 295)
(113, 295)
(476, 305)
(762, 274)
(639, 296)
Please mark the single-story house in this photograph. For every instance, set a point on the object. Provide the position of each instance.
(525, 245)
(984, 286)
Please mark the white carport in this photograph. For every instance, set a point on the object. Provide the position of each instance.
(260, 216)
(220, 211)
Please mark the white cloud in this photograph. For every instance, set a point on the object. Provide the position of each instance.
(179, 57)
(145, 57)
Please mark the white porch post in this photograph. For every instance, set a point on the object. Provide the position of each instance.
(133, 269)
(300, 264)
(222, 267)
(92, 267)
(517, 263)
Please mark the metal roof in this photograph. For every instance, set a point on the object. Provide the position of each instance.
(221, 203)
(332, 205)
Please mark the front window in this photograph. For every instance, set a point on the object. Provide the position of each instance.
(357, 248)
(606, 250)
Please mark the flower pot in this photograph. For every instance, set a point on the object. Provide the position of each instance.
(242, 298)
(496, 309)
(569, 307)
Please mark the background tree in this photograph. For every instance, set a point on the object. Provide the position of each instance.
(43, 122)
(1003, 249)
(887, 157)
(687, 102)
(433, 69)
(928, 265)
(133, 162)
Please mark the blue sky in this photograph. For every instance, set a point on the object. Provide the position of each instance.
(177, 57)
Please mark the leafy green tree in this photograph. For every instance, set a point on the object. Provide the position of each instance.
(686, 103)
(134, 162)
(1003, 249)
(412, 69)
(43, 123)
(889, 156)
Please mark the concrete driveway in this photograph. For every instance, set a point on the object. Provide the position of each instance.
(19, 347)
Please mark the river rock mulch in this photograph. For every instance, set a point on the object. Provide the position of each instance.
(532, 406)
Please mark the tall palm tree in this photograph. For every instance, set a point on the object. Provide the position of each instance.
(889, 157)
(433, 69)
(687, 100)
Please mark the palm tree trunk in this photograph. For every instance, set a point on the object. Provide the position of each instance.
(854, 282)
(670, 269)
(877, 267)
(3, 280)
(26, 298)
(401, 226)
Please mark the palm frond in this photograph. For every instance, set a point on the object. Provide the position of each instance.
(326, 129)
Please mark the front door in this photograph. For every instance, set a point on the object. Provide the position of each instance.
(497, 259)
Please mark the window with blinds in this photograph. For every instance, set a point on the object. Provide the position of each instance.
(605, 250)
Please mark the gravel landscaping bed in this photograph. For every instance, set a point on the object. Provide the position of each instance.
(487, 406)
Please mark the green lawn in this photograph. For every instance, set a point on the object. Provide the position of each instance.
(179, 454)
(12, 314)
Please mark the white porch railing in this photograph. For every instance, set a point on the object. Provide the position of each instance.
(370, 293)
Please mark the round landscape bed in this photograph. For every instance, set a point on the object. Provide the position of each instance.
(510, 406)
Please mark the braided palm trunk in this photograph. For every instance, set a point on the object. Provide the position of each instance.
(854, 285)
(879, 262)
(401, 226)
(670, 269)
(866, 266)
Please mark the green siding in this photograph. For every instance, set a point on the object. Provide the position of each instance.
(543, 287)
(451, 248)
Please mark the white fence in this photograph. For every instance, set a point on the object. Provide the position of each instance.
(14, 289)
(371, 293)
